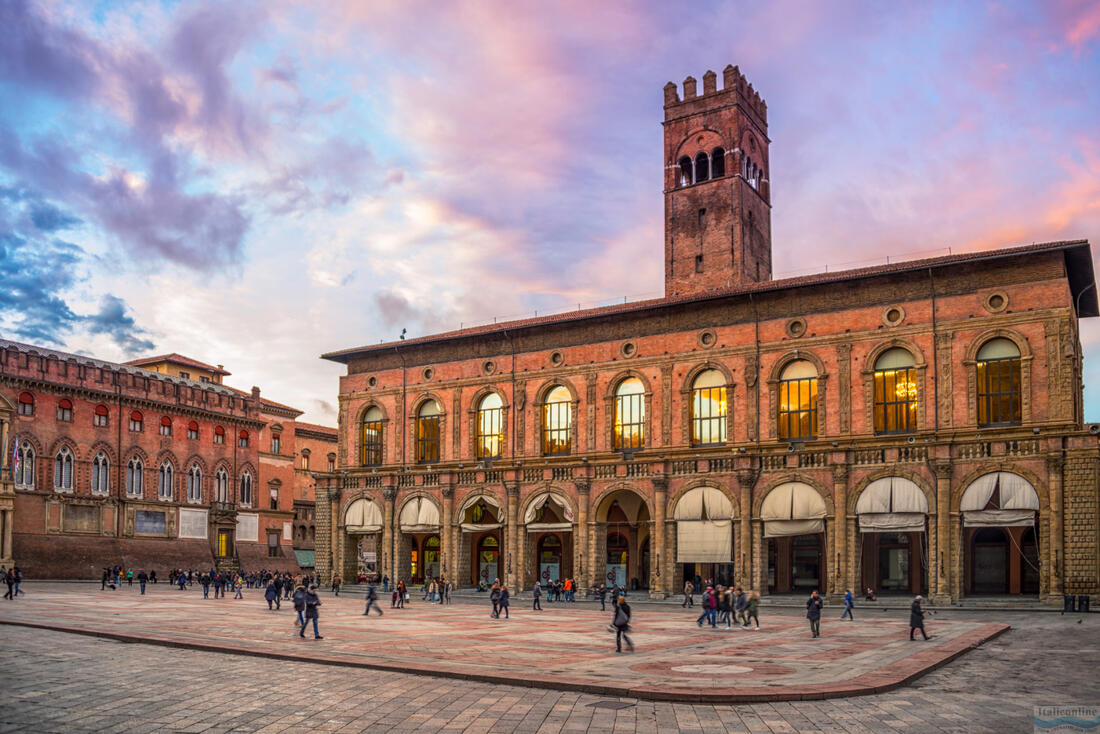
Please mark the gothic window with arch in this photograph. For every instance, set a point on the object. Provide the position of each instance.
(24, 466)
(998, 372)
(490, 427)
(65, 410)
(370, 437)
(708, 408)
(165, 477)
(246, 489)
(557, 422)
(895, 392)
(702, 167)
(26, 403)
(687, 172)
(100, 474)
(629, 429)
(718, 163)
(194, 484)
(221, 485)
(797, 417)
(427, 432)
(63, 470)
(135, 481)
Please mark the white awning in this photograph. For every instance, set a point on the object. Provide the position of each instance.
(793, 508)
(999, 518)
(419, 515)
(363, 516)
(703, 503)
(540, 501)
(477, 527)
(891, 522)
(544, 527)
(704, 541)
(1017, 505)
(892, 504)
(473, 499)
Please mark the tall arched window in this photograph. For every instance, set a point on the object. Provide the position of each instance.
(194, 484)
(629, 429)
(65, 410)
(164, 482)
(708, 408)
(557, 422)
(221, 485)
(246, 489)
(998, 383)
(895, 403)
(718, 163)
(219, 435)
(63, 470)
(101, 416)
(26, 403)
(137, 421)
(370, 437)
(490, 427)
(165, 426)
(687, 172)
(135, 478)
(24, 468)
(242, 439)
(427, 432)
(100, 473)
(702, 167)
(305, 459)
(193, 430)
(798, 401)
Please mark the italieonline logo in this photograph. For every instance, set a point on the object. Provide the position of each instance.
(1067, 718)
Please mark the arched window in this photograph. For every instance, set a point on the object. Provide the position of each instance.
(708, 408)
(193, 430)
(219, 435)
(998, 383)
(746, 167)
(246, 489)
(798, 401)
(164, 482)
(100, 473)
(895, 392)
(305, 459)
(332, 462)
(63, 470)
(165, 426)
(427, 432)
(64, 409)
(135, 481)
(137, 421)
(194, 484)
(718, 163)
(221, 485)
(24, 466)
(687, 172)
(242, 439)
(370, 437)
(26, 403)
(276, 443)
(101, 416)
(490, 427)
(557, 422)
(629, 430)
(702, 167)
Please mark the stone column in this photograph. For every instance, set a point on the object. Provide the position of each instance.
(582, 557)
(445, 529)
(387, 565)
(942, 564)
(8, 518)
(659, 584)
(759, 558)
(521, 556)
(854, 548)
(323, 560)
(1057, 560)
(746, 478)
(511, 535)
(839, 551)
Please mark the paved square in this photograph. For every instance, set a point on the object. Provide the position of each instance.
(565, 647)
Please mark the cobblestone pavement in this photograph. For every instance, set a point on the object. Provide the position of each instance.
(567, 646)
(58, 682)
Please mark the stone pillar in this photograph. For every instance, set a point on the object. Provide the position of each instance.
(510, 561)
(582, 557)
(759, 558)
(323, 558)
(521, 557)
(945, 548)
(854, 548)
(446, 533)
(746, 478)
(839, 552)
(659, 583)
(388, 566)
(1057, 560)
(8, 518)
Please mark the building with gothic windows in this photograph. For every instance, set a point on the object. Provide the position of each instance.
(914, 427)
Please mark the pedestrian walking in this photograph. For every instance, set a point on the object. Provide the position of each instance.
(299, 599)
(689, 594)
(372, 600)
(504, 596)
(130, 578)
(271, 595)
(447, 591)
(494, 597)
(849, 602)
(9, 579)
(725, 606)
(205, 581)
(313, 604)
(621, 624)
(143, 578)
(336, 583)
(751, 606)
(710, 605)
(602, 593)
(813, 613)
(916, 620)
(740, 604)
(536, 592)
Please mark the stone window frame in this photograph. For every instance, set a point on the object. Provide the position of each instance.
(101, 455)
(920, 364)
(28, 444)
(970, 364)
(417, 404)
(609, 410)
(686, 401)
(822, 392)
(574, 429)
(142, 464)
(61, 449)
(473, 409)
(192, 466)
(359, 431)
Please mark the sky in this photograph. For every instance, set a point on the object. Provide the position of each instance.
(256, 183)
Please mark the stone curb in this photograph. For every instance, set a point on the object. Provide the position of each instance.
(880, 681)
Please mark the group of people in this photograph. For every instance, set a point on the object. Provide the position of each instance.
(815, 603)
(725, 605)
(12, 577)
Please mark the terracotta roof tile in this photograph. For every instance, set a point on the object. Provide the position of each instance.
(178, 359)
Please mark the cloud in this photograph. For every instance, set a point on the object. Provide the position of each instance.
(49, 218)
(114, 321)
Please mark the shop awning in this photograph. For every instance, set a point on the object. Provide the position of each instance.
(363, 516)
(540, 501)
(545, 527)
(704, 541)
(793, 508)
(892, 505)
(477, 527)
(703, 503)
(999, 499)
(419, 515)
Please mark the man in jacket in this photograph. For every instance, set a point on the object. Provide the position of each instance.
(143, 578)
(271, 594)
(916, 619)
(740, 604)
(710, 607)
(602, 593)
(813, 613)
(372, 600)
(621, 624)
(494, 597)
(503, 601)
(849, 602)
(536, 593)
(299, 598)
(689, 594)
(312, 603)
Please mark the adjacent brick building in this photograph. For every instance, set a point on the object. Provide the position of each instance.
(152, 464)
(910, 427)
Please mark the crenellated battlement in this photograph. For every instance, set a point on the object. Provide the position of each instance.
(733, 83)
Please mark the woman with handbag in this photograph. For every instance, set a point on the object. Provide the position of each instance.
(621, 623)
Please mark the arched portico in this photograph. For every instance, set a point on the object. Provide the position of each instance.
(618, 545)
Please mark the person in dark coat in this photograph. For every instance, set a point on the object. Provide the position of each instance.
(143, 578)
(503, 601)
(271, 594)
(372, 600)
(536, 593)
(602, 593)
(621, 624)
(299, 598)
(312, 606)
(916, 619)
(813, 613)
